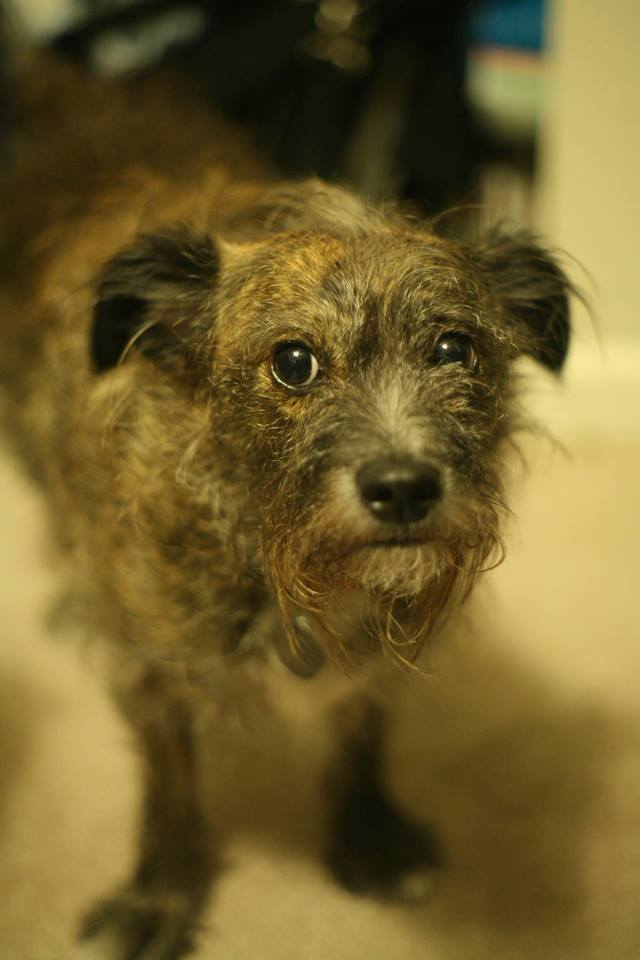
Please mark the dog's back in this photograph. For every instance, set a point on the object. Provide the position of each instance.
(75, 142)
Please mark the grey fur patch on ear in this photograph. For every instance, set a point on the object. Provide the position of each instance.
(149, 293)
(534, 290)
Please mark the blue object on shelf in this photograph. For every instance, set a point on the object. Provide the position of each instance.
(507, 23)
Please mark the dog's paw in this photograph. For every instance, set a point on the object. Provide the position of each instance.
(377, 851)
(138, 926)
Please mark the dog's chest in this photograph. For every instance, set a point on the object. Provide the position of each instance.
(290, 671)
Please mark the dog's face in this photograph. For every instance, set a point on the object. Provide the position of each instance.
(361, 386)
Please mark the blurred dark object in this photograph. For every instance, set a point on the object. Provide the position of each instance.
(370, 92)
(4, 46)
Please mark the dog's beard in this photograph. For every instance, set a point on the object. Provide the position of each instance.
(408, 584)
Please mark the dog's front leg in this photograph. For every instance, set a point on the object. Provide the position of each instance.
(153, 916)
(374, 848)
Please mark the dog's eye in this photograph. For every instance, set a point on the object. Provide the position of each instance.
(294, 365)
(456, 348)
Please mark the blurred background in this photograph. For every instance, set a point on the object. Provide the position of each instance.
(439, 101)
(525, 752)
(432, 100)
(524, 110)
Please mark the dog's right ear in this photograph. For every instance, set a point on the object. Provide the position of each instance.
(154, 296)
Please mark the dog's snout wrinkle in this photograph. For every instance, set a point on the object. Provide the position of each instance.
(399, 490)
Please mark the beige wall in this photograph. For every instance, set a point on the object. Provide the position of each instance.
(590, 182)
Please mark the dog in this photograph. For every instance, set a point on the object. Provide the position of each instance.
(272, 422)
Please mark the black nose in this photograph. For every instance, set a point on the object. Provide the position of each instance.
(399, 491)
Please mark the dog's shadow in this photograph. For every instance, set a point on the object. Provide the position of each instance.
(21, 707)
(512, 775)
(515, 777)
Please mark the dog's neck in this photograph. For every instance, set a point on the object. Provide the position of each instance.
(299, 639)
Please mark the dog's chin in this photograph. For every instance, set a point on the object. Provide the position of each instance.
(396, 567)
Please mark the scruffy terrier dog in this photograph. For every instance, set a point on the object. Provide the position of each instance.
(271, 421)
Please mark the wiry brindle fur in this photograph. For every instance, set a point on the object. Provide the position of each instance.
(271, 422)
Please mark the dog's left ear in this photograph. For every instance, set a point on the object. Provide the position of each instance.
(533, 290)
(153, 296)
